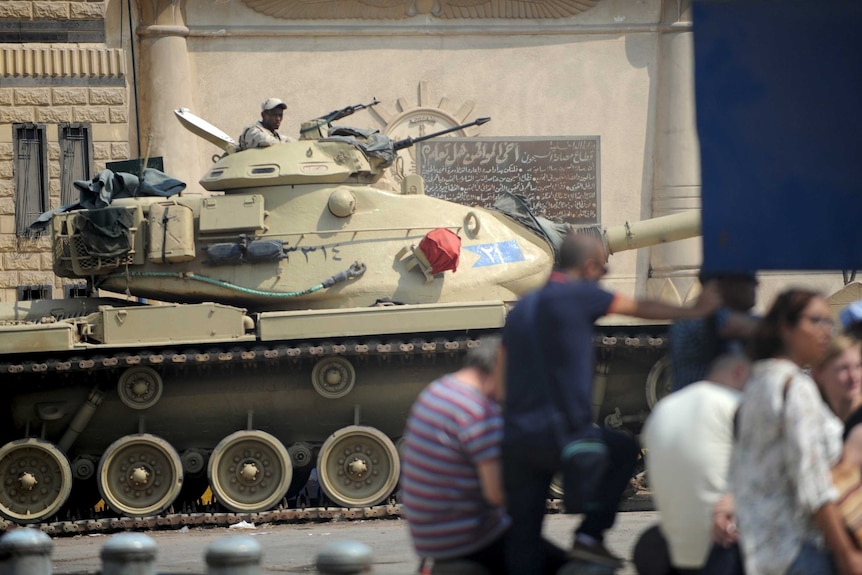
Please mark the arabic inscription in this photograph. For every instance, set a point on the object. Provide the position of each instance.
(559, 176)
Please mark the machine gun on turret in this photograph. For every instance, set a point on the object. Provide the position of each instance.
(407, 142)
(378, 150)
(312, 130)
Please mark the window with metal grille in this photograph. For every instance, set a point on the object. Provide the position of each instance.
(31, 175)
(34, 292)
(75, 290)
(76, 153)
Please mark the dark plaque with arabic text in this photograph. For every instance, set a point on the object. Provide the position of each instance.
(560, 176)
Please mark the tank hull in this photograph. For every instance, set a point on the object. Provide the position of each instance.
(131, 395)
(265, 382)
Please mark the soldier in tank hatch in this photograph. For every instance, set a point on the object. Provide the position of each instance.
(264, 133)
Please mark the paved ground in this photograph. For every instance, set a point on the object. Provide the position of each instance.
(293, 548)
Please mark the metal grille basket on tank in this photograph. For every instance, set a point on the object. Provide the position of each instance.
(73, 256)
(82, 259)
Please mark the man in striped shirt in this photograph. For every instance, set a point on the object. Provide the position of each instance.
(451, 486)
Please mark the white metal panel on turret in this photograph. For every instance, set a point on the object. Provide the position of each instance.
(205, 130)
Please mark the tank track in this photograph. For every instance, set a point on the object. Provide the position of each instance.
(180, 520)
(383, 350)
(206, 520)
(194, 355)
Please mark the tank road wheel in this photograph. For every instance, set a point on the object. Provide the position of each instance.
(35, 480)
(249, 471)
(140, 475)
(333, 377)
(358, 466)
(140, 387)
(658, 382)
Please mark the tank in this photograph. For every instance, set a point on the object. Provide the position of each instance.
(283, 324)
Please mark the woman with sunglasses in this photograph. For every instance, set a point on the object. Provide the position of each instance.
(788, 440)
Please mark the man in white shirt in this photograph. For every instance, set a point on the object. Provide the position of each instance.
(689, 438)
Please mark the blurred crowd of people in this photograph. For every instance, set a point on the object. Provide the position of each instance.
(740, 457)
(758, 496)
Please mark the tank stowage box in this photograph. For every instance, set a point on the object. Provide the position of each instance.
(171, 234)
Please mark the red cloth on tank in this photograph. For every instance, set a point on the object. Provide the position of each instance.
(442, 249)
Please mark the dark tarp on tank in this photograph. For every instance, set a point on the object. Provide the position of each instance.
(107, 186)
(368, 141)
(106, 233)
(518, 208)
(778, 89)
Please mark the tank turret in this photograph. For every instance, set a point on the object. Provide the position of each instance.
(283, 324)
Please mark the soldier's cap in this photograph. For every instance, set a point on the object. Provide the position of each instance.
(272, 104)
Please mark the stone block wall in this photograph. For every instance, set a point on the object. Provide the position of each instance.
(54, 10)
(26, 261)
(47, 79)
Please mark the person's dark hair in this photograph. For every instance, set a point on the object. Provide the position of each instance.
(484, 356)
(851, 319)
(577, 248)
(703, 277)
(786, 310)
(854, 330)
(853, 420)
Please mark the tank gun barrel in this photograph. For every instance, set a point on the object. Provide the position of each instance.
(631, 236)
(407, 142)
(335, 115)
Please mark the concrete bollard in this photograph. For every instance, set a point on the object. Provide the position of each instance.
(25, 552)
(344, 558)
(129, 554)
(238, 555)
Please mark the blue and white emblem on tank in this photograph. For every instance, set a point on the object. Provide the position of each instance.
(497, 253)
